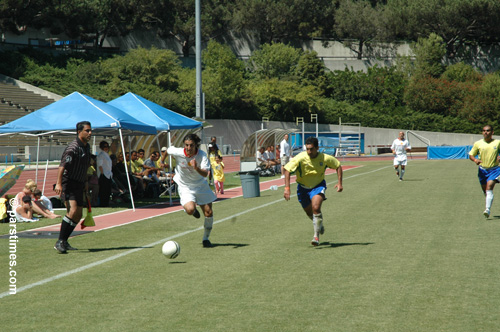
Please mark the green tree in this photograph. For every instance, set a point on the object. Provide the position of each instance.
(283, 100)
(429, 53)
(461, 72)
(283, 20)
(223, 81)
(357, 23)
(275, 60)
(311, 70)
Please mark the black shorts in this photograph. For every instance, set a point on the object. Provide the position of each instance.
(73, 191)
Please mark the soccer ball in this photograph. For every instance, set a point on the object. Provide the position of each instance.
(171, 249)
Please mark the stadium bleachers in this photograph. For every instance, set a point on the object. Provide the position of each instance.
(16, 102)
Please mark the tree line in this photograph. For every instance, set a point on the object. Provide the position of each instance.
(359, 24)
(281, 82)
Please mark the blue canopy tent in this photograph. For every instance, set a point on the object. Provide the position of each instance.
(153, 114)
(63, 115)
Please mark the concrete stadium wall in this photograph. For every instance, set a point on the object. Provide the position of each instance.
(235, 132)
(334, 54)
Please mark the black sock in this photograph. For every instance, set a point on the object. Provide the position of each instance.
(67, 227)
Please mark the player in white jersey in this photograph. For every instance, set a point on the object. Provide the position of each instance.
(399, 148)
(191, 170)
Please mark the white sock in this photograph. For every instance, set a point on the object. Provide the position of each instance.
(489, 199)
(402, 173)
(209, 221)
(317, 221)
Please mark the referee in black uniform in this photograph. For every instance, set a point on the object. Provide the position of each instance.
(72, 182)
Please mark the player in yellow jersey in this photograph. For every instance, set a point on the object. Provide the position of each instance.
(489, 171)
(310, 167)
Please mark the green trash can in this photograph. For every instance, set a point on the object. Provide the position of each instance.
(250, 184)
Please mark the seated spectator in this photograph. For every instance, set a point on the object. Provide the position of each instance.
(151, 175)
(149, 167)
(269, 156)
(119, 180)
(261, 159)
(42, 200)
(24, 212)
(29, 187)
(137, 174)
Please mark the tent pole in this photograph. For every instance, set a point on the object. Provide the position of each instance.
(37, 156)
(169, 170)
(126, 171)
(46, 168)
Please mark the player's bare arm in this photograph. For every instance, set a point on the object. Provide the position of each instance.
(339, 177)
(286, 193)
(200, 171)
(475, 160)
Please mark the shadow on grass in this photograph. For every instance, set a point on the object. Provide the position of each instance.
(326, 245)
(234, 245)
(412, 180)
(114, 248)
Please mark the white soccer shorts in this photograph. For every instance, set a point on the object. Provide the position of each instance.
(201, 194)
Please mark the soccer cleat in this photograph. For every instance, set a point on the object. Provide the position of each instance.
(207, 244)
(400, 179)
(315, 241)
(68, 246)
(322, 229)
(59, 246)
(486, 213)
(196, 214)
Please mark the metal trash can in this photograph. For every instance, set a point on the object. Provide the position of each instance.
(250, 184)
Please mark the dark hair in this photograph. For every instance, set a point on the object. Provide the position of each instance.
(312, 140)
(194, 138)
(141, 150)
(37, 192)
(80, 125)
(103, 144)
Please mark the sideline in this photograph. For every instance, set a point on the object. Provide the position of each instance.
(131, 251)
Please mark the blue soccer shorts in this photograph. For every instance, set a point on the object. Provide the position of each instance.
(305, 195)
(488, 174)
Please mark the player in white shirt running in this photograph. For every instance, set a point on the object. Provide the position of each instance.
(399, 148)
(191, 170)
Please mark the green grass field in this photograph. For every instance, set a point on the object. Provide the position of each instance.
(416, 255)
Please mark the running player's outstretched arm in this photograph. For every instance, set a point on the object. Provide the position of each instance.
(286, 193)
(339, 177)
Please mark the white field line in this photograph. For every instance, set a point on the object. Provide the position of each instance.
(131, 251)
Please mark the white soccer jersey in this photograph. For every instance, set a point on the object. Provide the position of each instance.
(400, 146)
(184, 174)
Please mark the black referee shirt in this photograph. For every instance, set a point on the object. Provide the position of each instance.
(76, 161)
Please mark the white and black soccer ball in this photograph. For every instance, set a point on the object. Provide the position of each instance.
(171, 249)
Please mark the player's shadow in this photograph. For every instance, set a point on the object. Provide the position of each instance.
(326, 245)
(113, 248)
(234, 245)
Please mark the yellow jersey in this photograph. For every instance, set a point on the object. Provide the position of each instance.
(488, 152)
(310, 172)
